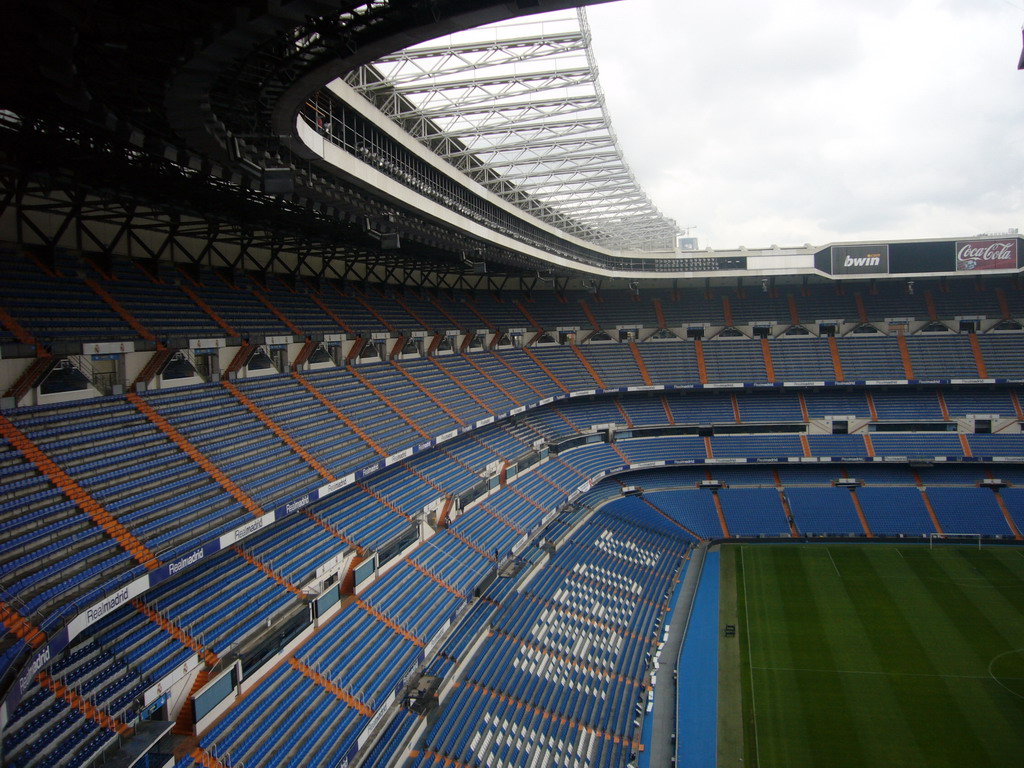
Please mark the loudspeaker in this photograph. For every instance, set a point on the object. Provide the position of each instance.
(278, 181)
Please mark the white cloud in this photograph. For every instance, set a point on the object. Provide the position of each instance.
(806, 120)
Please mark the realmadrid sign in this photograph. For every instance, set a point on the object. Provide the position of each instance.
(860, 259)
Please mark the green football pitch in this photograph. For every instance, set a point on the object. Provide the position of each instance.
(879, 654)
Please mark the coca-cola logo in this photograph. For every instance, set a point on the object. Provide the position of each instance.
(986, 254)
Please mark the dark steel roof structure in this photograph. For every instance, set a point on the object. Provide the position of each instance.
(171, 119)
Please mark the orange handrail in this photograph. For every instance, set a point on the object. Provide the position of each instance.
(794, 315)
(115, 305)
(672, 520)
(640, 364)
(769, 366)
(401, 302)
(979, 359)
(622, 412)
(265, 301)
(458, 382)
(84, 706)
(387, 401)
(590, 368)
(530, 354)
(195, 454)
(860, 513)
(331, 687)
(501, 359)
(721, 515)
(805, 446)
(589, 314)
(198, 301)
(331, 529)
(529, 319)
(389, 623)
(83, 500)
(837, 364)
(436, 579)
(1006, 513)
(930, 508)
(16, 329)
(447, 315)
(432, 397)
(308, 385)
(370, 308)
(702, 369)
(787, 509)
(274, 427)
(659, 313)
(176, 632)
(668, 410)
(330, 313)
(266, 570)
(494, 382)
(20, 627)
(862, 312)
(908, 368)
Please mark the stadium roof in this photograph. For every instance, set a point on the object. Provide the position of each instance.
(518, 107)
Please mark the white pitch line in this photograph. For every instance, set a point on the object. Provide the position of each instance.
(750, 658)
(833, 562)
(874, 672)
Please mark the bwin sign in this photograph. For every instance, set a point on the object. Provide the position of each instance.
(863, 261)
(860, 259)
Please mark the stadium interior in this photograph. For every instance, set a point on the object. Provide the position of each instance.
(325, 441)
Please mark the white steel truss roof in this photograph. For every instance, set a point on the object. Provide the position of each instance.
(517, 106)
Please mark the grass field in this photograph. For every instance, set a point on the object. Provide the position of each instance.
(880, 655)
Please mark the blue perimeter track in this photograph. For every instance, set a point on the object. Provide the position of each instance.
(697, 686)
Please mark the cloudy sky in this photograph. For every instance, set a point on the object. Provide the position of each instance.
(796, 121)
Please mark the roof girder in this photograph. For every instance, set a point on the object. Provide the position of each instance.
(529, 123)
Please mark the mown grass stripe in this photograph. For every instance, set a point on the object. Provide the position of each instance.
(903, 617)
(879, 655)
(797, 574)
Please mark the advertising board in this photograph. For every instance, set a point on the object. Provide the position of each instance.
(976, 255)
(860, 259)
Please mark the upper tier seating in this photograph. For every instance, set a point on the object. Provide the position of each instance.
(59, 306)
(941, 356)
(176, 304)
(870, 357)
(732, 360)
(802, 358)
(162, 307)
(614, 363)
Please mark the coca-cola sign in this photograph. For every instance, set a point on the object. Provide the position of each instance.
(972, 255)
